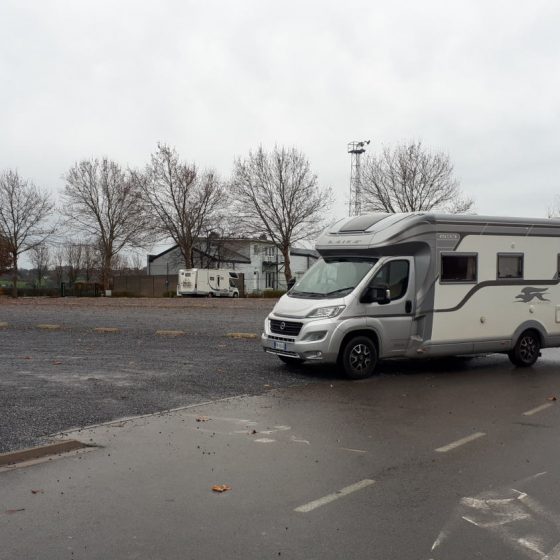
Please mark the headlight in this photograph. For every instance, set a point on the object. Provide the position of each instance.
(326, 312)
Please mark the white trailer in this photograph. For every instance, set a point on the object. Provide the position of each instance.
(422, 284)
(207, 282)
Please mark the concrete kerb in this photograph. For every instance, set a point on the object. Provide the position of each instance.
(33, 453)
(140, 416)
(235, 335)
(170, 333)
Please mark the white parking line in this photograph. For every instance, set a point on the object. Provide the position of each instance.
(332, 497)
(460, 442)
(537, 409)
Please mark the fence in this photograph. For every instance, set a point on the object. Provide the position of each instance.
(154, 286)
(144, 286)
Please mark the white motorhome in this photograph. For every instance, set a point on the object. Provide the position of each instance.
(422, 284)
(207, 282)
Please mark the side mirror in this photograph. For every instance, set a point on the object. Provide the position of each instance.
(377, 294)
(291, 283)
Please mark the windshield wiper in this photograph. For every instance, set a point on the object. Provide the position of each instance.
(311, 295)
(340, 290)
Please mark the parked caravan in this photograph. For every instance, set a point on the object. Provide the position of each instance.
(422, 284)
(207, 282)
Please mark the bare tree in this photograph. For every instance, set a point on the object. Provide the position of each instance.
(277, 194)
(5, 257)
(184, 201)
(102, 201)
(24, 211)
(410, 178)
(73, 258)
(40, 259)
(90, 261)
(58, 266)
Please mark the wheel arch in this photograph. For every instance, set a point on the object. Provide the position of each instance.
(530, 326)
(369, 333)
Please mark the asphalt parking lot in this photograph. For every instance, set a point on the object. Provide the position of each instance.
(76, 362)
(431, 460)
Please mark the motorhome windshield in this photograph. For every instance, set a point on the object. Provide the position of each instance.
(332, 278)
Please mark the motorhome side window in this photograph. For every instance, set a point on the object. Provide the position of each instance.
(458, 268)
(395, 275)
(510, 265)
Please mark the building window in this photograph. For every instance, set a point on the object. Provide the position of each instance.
(510, 265)
(458, 268)
(269, 279)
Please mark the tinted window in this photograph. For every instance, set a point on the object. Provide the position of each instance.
(510, 266)
(395, 275)
(458, 268)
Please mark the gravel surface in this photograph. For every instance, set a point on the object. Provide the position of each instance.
(57, 372)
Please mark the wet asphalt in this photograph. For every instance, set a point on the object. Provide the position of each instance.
(55, 379)
(446, 460)
(434, 460)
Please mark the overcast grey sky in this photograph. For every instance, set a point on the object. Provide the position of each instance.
(479, 80)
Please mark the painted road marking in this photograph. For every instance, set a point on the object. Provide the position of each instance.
(460, 442)
(537, 409)
(332, 497)
(3, 325)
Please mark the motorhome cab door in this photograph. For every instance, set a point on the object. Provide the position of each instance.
(393, 320)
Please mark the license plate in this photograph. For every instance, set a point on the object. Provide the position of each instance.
(279, 345)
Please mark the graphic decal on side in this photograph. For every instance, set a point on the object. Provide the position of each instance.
(528, 294)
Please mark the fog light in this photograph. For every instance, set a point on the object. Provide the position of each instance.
(314, 336)
(314, 355)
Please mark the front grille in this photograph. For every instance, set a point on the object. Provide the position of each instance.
(281, 338)
(288, 328)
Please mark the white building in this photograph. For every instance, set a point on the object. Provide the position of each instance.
(259, 260)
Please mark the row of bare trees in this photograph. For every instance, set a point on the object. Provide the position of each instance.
(276, 194)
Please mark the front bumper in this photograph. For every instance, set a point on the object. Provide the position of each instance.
(303, 346)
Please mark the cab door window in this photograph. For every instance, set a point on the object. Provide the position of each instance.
(395, 275)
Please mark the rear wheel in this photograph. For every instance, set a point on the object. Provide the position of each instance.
(291, 361)
(526, 350)
(359, 358)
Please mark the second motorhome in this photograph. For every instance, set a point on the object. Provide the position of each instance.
(422, 284)
(207, 282)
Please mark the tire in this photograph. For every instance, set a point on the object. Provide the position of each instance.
(291, 362)
(526, 350)
(210, 294)
(359, 358)
(235, 295)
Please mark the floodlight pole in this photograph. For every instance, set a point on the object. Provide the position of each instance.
(356, 149)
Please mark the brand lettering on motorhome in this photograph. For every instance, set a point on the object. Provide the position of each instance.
(528, 294)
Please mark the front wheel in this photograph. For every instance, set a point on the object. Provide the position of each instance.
(359, 358)
(526, 350)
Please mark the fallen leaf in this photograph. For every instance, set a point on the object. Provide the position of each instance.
(552, 398)
(10, 511)
(57, 363)
(202, 419)
(37, 491)
(221, 488)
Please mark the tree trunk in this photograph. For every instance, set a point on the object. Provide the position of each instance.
(287, 268)
(14, 275)
(106, 272)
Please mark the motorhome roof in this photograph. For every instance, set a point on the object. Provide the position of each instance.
(369, 231)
